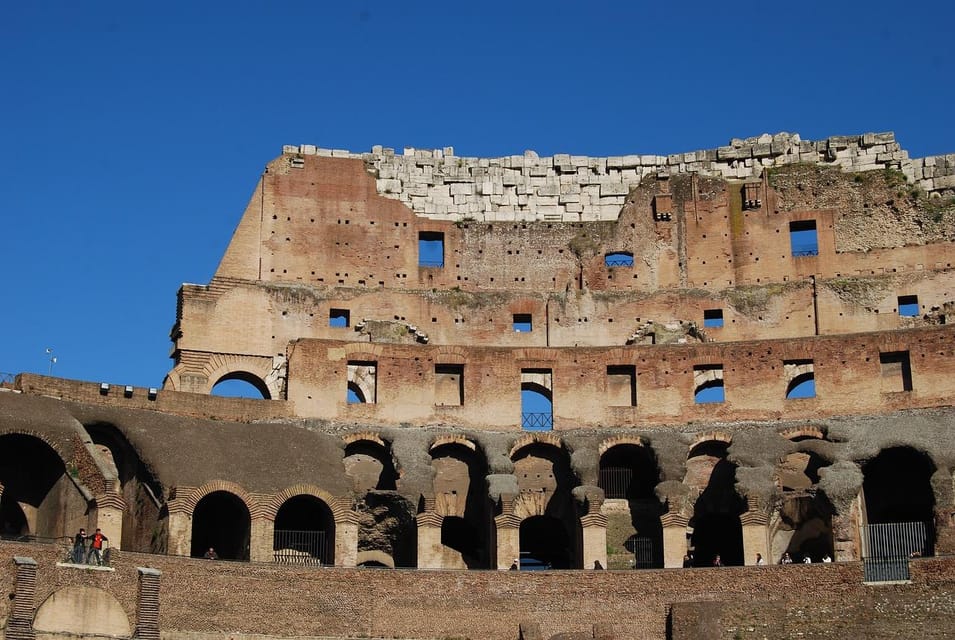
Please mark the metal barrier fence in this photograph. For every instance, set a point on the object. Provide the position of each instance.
(886, 549)
(642, 553)
(301, 547)
(537, 421)
(615, 481)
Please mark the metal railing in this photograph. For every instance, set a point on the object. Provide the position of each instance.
(615, 481)
(300, 547)
(886, 549)
(424, 262)
(537, 421)
(619, 262)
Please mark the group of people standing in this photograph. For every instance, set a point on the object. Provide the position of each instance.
(82, 554)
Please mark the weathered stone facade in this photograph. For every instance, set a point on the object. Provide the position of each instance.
(562, 363)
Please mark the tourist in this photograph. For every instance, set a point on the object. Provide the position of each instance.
(806, 560)
(211, 554)
(96, 546)
(827, 558)
(786, 559)
(759, 560)
(514, 565)
(717, 561)
(687, 561)
(597, 565)
(79, 546)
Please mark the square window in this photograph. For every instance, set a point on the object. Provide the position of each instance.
(708, 384)
(713, 318)
(449, 384)
(362, 387)
(339, 318)
(523, 323)
(621, 385)
(909, 306)
(896, 371)
(430, 249)
(803, 240)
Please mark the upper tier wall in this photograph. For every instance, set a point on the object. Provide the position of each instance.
(440, 185)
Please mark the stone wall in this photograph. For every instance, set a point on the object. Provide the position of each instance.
(563, 187)
(217, 598)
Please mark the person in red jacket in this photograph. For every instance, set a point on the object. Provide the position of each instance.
(96, 547)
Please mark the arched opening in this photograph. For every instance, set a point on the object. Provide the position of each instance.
(459, 474)
(354, 394)
(13, 522)
(546, 481)
(802, 386)
(545, 544)
(304, 532)
(241, 384)
(537, 409)
(897, 489)
(709, 392)
(370, 466)
(138, 486)
(629, 472)
(716, 527)
(386, 527)
(39, 498)
(221, 521)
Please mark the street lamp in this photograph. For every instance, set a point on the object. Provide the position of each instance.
(49, 351)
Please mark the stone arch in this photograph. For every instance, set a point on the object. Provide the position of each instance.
(715, 521)
(709, 436)
(277, 500)
(534, 438)
(459, 468)
(40, 493)
(263, 373)
(373, 558)
(82, 611)
(221, 520)
(304, 531)
(189, 503)
(453, 438)
(805, 431)
(369, 462)
(244, 376)
(628, 473)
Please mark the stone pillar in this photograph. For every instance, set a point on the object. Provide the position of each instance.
(261, 538)
(430, 552)
(147, 605)
(508, 527)
(346, 540)
(674, 539)
(755, 526)
(180, 531)
(944, 530)
(109, 517)
(845, 533)
(23, 609)
(594, 528)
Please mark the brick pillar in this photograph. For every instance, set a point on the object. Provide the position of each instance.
(346, 540)
(20, 622)
(109, 517)
(261, 539)
(755, 526)
(147, 605)
(846, 532)
(674, 539)
(430, 551)
(508, 527)
(180, 532)
(594, 528)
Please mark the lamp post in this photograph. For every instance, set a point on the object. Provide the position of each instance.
(49, 351)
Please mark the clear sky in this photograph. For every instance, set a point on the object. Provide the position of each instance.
(133, 133)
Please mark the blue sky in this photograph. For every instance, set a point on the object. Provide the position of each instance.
(133, 133)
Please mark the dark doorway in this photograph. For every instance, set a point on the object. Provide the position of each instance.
(221, 521)
(545, 544)
(717, 529)
(304, 532)
(34, 476)
(897, 488)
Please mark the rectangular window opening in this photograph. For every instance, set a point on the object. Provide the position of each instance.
(621, 385)
(713, 318)
(430, 249)
(896, 371)
(339, 318)
(800, 379)
(708, 384)
(909, 306)
(449, 385)
(537, 407)
(362, 387)
(803, 240)
(618, 259)
(523, 323)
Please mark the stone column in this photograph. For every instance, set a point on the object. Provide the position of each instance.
(755, 526)
(147, 605)
(508, 527)
(674, 539)
(430, 552)
(594, 527)
(261, 538)
(180, 531)
(20, 622)
(109, 517)
(346, 540)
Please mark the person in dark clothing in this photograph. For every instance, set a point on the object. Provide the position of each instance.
(79, 546)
